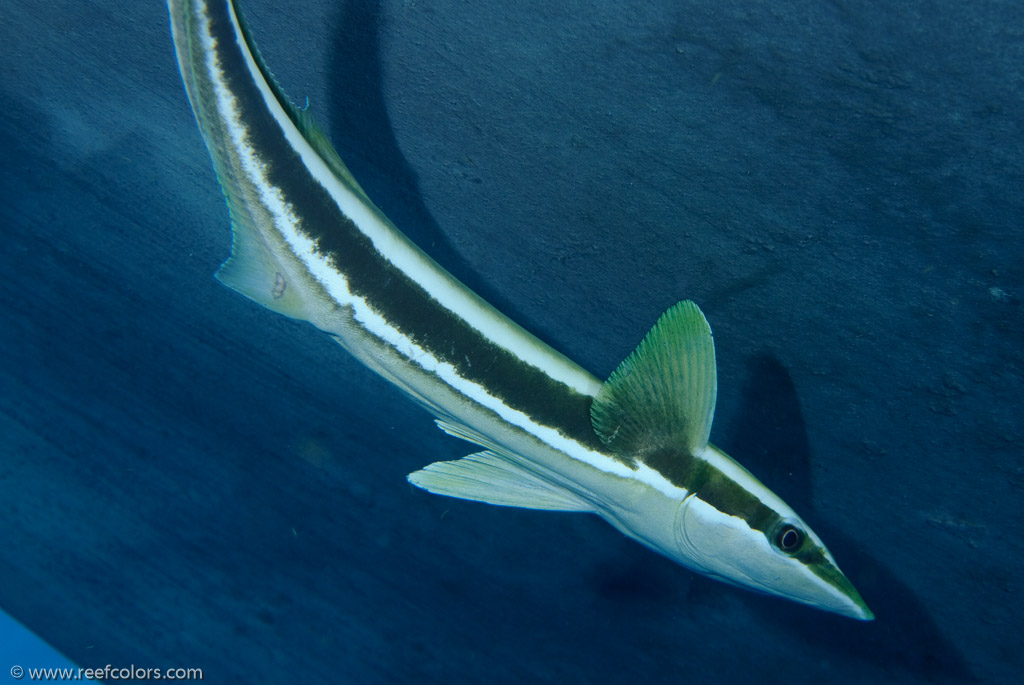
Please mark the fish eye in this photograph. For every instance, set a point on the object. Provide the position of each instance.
(789, 538)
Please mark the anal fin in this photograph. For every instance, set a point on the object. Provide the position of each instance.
(487, 477)
(255, 272)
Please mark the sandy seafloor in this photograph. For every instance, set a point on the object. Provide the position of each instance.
(189, 480)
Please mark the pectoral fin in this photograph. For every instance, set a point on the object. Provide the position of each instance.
(664, 393)
(487, 477)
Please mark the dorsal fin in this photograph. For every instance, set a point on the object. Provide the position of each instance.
(303, 119)
(663, 394)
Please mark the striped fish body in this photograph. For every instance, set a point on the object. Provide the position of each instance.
(308, 243)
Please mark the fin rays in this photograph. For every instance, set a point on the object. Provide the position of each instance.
(664, 393)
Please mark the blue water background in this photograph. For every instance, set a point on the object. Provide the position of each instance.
(187, 480)
(20, 648)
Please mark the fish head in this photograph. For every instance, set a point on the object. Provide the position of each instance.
(694, 503)
(733, 528)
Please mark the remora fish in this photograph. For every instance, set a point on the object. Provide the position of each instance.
(308, 243)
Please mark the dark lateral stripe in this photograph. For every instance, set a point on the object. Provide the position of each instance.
(388, 290)
(712, 486)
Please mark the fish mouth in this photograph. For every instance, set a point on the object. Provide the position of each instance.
(858, 608)
(849, 603)
(853, 605)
